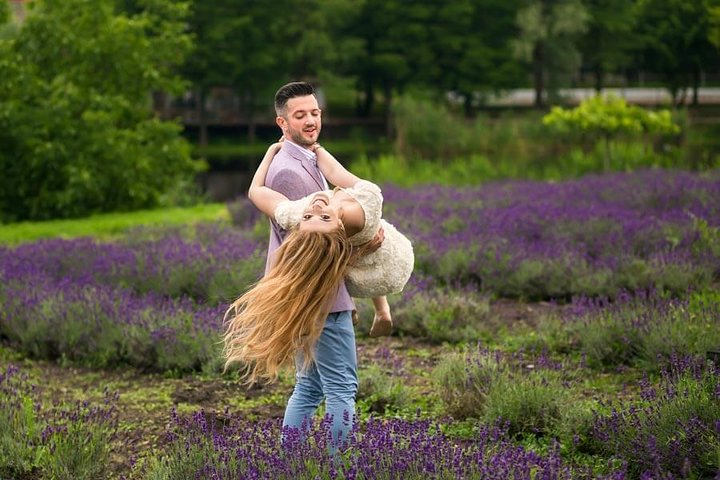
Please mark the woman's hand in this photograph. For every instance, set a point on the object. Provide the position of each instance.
(275, 148)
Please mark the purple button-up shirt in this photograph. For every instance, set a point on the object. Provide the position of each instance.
(294, 173)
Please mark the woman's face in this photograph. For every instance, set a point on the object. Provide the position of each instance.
(320, 215)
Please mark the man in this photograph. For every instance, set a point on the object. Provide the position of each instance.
(295, 174)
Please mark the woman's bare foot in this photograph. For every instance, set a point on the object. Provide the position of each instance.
(382, 325)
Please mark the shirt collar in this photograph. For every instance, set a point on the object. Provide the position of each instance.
(304, 152)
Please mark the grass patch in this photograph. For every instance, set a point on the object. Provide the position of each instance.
(107, 226)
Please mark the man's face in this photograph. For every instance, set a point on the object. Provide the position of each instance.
(302, 120)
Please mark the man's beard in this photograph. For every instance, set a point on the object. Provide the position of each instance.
(297, 137)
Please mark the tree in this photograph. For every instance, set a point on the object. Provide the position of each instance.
(714, 34)
(549, 33)
(610, 118)
(472, 50)
(675, 36)
(77, 130)
(610, 40)
(393, 51)
(254, 47)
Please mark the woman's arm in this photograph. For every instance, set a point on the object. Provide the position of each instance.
(333, 170)
(265, 198)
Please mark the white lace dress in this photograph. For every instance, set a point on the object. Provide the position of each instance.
(381, 272)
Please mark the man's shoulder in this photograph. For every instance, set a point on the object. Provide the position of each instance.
(287, 179)
(283, 161)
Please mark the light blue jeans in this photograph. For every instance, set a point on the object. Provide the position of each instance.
(333, 377)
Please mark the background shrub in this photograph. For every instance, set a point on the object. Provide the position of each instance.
(528, 394)
(79, 138)
(64, 442)
(673, 429)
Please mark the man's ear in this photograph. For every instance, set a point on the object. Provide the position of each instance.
(281, 122)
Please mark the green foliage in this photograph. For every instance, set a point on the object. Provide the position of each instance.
(714, 34)
(574, 428)
(482, 384)
(637, 332)
(424, 129)
(76, 123)
(547, 41)
(676, 42)
(380, 391)
(82, 327)
(19, 426)
(180, 462)
(610, 118)
(445, 316)
(434, 145)
(4, 12)
(225, 284)
(608, 44)
(672, 426)
(64, 442)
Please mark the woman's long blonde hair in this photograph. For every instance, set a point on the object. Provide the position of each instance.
(285, 311)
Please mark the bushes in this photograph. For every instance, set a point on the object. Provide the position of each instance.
(80, 138)
(639, 330)
(673, 430)
(106, 327)
(526, 393)
(64, 442)
(444, 316)
(229, 447)
(433, 145)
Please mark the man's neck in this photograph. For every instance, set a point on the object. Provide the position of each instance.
(297, 144)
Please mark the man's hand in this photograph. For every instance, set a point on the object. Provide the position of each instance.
(377, 240)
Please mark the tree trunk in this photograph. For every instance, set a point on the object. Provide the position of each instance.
(388, 93)
(696, 86)
(468, 105)
(599, 79)
(539, 73)
(252, 123)
(202, 121)
(367, 103)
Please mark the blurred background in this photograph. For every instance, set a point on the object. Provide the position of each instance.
(115, 105)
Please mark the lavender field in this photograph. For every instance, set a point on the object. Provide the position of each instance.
(550, 330)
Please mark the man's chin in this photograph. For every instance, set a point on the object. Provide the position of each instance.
(305, 141)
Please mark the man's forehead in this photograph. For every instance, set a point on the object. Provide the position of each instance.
(308, 102)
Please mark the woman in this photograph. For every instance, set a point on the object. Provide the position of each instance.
(328, 243)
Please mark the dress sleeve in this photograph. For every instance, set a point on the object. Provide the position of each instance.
(288, 214)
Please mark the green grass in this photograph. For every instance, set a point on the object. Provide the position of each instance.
(109, 225)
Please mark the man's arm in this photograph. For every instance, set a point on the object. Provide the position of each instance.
(333, 169)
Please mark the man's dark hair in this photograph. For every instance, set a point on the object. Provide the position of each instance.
(291, 90)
